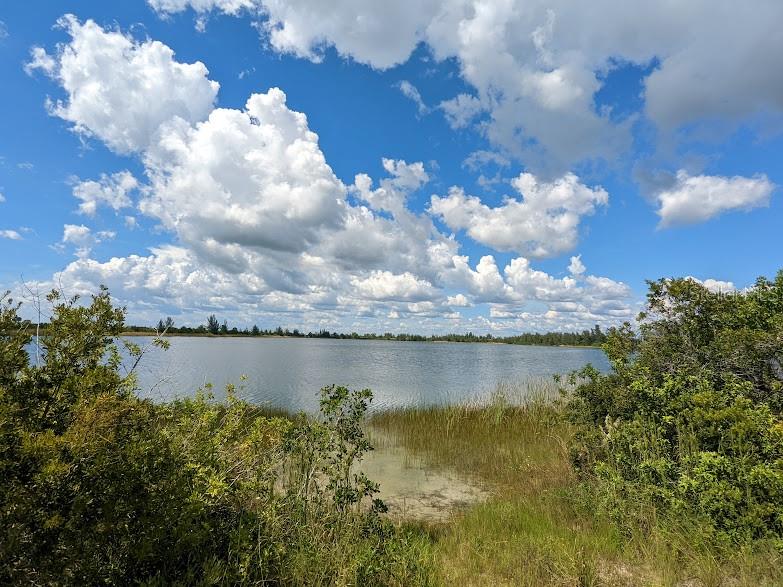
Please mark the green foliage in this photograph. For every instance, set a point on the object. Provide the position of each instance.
(213, 326)
(592, 337)
(326, 453)
(688, 423)
(98, 486)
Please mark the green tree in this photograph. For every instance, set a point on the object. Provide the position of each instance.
(689, 419)
(213, 326)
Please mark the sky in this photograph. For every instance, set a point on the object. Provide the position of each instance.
(420, 166)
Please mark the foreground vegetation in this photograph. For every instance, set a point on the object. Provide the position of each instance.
(666, 471)
(100, 487)
(543, 523)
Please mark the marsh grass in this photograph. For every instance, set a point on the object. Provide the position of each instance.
(541, 525)
(499, 441)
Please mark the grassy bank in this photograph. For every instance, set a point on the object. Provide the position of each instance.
(540, 525)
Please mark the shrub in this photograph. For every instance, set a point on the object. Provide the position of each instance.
(99, 486)
(688, 422)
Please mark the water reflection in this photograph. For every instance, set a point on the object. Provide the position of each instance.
(288, 372)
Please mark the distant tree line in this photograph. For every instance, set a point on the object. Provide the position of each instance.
(214, 327)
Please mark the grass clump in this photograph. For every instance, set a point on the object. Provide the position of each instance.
(532, 530)
(511, 441)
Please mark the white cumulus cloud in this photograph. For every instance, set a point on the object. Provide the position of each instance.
(82, 238)
(110, 190)
(121, 90)
(252, 178)
(393, 191)
(384, 285)
(576, 267)
(458, 301)
(696, 198)
(543, 223)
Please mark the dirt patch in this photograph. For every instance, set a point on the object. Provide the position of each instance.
(412, 489)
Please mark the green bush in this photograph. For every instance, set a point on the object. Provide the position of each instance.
(98, 486)
(688, 422)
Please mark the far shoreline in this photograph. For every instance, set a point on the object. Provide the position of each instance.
(132, 333)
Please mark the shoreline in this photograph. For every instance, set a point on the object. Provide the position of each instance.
(275, 336)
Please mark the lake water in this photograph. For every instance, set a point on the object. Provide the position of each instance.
(288, 372)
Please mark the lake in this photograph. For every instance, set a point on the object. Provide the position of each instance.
(288, 372)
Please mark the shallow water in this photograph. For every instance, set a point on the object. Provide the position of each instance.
(287, 373)
(413, 490)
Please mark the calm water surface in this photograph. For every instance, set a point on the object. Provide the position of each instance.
(288, 372)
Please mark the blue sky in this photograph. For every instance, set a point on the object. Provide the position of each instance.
(522, 165)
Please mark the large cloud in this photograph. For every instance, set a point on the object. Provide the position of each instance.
(543, 223)
(120, 90)
(254, 178)
(536, 65)
(261, 224)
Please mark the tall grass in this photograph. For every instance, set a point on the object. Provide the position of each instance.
(500, 441)
(541, 525)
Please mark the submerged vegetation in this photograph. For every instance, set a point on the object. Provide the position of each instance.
(666, 471)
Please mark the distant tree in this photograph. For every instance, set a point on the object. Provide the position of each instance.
(213, 326)
(224, 328)
(165, 326)
(255, 331)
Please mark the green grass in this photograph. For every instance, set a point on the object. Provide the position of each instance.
(541, 525)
